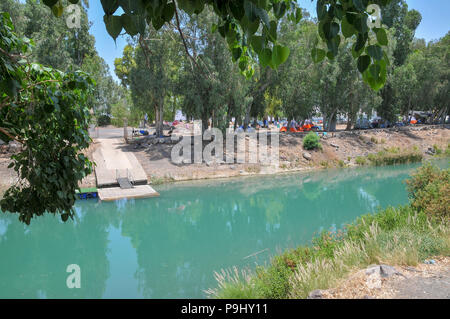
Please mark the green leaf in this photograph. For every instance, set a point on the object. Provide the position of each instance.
(347, 29)
(50, 3)
(168, 12)
(157, 23)
(250, 10)
(375, 70)
(236, 53)
(375, 52)
(279, 9)
(127, 22)
(110, 6)
(330, 30)
(265, 57)
(363, 63)
(257, 43)
(382, 37)
(333, 45)
(280, 54)
(113, 25)
(273, 31)
(298, 15)
(58, 10)
(317, 55)
(359, 5)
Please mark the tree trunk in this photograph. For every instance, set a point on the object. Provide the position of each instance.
(159, 116)
(247, 116)
(349, 122)
(331, 124)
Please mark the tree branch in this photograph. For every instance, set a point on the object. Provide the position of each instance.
(4, 131)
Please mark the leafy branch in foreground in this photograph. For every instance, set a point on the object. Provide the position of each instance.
(251, 28)
(46, 111)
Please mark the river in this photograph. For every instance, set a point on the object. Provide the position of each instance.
(169, 247)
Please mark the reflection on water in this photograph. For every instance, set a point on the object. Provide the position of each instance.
(169, 247)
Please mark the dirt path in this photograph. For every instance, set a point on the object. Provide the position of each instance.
(437, 286)
(424, 281)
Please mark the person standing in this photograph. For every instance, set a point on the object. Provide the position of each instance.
(145, 120)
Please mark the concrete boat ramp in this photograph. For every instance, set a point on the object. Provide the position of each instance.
(119, 174)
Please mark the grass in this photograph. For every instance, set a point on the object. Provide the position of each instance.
(156, 180)
(360, 160)
(437, 149)
(396, 236)
(392, 156)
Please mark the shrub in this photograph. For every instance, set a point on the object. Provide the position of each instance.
(311, 141)
(437, 149)
(103, 120)
(429, 191)
(360, 160)
(394, 155)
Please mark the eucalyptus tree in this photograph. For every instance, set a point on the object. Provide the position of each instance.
(149, 68)
(405, 83)
(441, 50)
(211, 85)
(403, 24)
(294, 80)
(58, 46)
(250, 27)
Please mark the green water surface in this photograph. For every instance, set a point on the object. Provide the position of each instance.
(169, 247)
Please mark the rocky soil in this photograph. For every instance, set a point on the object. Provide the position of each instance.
(430, 280)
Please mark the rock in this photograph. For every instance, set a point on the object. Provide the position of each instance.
(388, 271)
(307, 156)
(232, 167)
(373, 269)
(241, 171)
(161, 140)
(14, 147)
(334, 145)
(315, 294)
(430, 151)
(1, 142)
(208, 163)
(186, 161)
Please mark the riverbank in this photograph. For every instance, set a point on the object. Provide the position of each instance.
(339, 149)
(403, 236)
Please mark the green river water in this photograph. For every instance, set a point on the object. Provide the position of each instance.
(169, 247)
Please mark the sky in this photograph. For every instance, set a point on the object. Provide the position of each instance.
(435, 24)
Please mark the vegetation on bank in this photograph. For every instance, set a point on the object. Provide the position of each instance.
(391, 156)
(402, 236)
(312, 141)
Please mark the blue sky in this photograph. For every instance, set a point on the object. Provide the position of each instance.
(435, 24)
